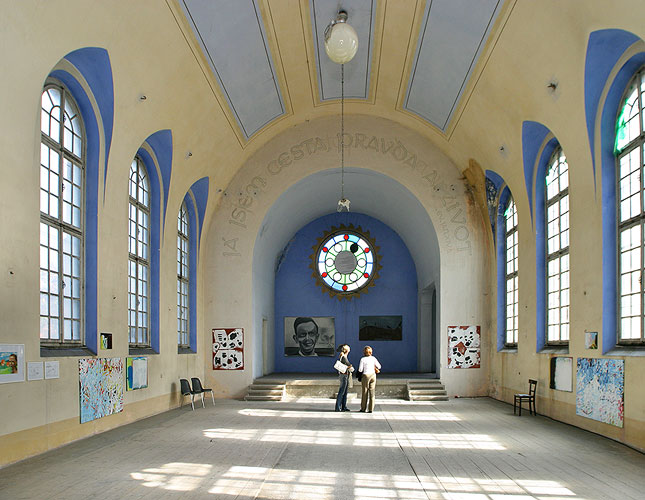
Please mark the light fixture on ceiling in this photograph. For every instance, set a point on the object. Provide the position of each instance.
(341, 40)
(341, 44)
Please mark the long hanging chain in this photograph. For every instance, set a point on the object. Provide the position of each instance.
(342, 131)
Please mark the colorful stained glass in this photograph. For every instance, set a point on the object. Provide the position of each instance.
(344, 261)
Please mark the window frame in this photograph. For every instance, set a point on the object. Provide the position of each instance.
(58, 145)
(513, 275)
(136, 259)
(637, 83)
(556, 199)
(183, 279)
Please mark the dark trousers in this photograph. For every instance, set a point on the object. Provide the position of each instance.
(341, 400)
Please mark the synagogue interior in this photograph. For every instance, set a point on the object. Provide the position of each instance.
(231, 191)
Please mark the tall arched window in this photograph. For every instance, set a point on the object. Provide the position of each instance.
(512, 290)
(139, 256)
(183, 280)
(629, 148)
(557, 248)
(62, 172)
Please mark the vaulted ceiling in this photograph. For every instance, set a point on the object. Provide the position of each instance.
(267, 58)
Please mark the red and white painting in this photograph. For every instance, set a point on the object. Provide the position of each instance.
(228, 348)
(464, 346)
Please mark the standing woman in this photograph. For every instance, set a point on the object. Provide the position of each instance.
(344, 378)
(369, 367)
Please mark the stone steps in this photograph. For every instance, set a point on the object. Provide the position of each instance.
(265, 392)
(427, 390)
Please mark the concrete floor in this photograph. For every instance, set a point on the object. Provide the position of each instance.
(464, 449)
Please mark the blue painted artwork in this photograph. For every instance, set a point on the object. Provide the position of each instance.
(600, 388)
(101, 387)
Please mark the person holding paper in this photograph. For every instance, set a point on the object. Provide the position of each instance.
(345, 379)
(369, 367)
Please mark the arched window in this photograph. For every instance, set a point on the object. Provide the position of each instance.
(139, 256)
(557, 248)
(512, 290)
(183, 281)
(629, 149)
(62, 187)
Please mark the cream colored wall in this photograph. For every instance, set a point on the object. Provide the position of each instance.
(45, 413)
(545, 41)
(423, 169)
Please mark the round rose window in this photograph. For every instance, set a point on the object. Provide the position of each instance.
(345, 261)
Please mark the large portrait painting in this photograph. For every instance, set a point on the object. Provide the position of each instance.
(380, 327)
(309, 336)
(464, 347)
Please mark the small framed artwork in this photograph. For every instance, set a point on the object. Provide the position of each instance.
(136, 373)
(106, 341)
(591, 340)
(12, 363)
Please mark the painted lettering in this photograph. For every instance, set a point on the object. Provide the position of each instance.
(360, 140)
(284, 160)
(297, 152)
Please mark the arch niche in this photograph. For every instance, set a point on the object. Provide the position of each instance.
(392, 174)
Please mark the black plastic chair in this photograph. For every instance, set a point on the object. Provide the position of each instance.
(187, 391)
(530, 398)
(197, 387)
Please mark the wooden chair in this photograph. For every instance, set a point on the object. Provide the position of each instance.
(198, 389)
(530, 398)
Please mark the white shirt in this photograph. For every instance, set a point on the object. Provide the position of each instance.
(367, 365)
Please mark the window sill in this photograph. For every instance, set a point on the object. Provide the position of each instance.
(626, 350)
(185, 350)
(140, 351)
(60, 352)
(554, 349)
(509, 349)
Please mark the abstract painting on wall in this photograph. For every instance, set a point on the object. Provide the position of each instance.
(464, 346)
(228, 348)
(101, 387)
(600, 389)
(136, 373)
(309, 336)
(380, 327)
(562, 374)
(12, 363)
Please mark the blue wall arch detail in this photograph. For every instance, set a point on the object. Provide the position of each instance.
(604, 51)
(158, 169)
(533, 136)
(196, 200)
(94, 65)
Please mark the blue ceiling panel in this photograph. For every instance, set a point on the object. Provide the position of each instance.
(232, 37)
(360, 15)
(453, 34)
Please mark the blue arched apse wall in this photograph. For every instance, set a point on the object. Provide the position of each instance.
(393, 294)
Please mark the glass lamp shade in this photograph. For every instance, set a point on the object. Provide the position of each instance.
(342, 43)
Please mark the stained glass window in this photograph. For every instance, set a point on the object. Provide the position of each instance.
(345, 261)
